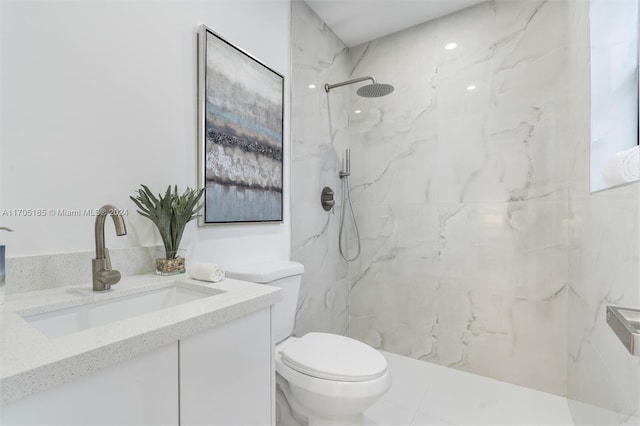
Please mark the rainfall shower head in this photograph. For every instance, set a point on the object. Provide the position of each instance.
(373, 90)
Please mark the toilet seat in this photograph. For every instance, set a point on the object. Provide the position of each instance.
(333, 357)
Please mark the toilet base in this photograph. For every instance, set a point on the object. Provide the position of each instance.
(285, 413)
(316, 401)
(304, 417)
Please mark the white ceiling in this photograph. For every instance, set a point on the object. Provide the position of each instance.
(358, 21)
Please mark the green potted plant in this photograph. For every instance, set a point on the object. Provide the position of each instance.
(170, 213)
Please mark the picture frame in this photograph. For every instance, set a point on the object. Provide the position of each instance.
(241, 134)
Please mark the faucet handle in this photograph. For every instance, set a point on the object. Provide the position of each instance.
(103, 276)
(108, 278)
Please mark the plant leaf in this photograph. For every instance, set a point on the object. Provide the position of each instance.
(169, 212)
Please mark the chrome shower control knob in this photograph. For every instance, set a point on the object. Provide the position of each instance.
(326, 198)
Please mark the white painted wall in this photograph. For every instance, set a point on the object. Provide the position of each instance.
(100, 96)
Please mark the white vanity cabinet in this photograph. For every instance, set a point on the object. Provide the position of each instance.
(223, 375)
(227, 375)
(139, 391)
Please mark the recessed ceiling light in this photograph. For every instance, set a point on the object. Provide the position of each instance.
(451, 46)
(312, 86)
(357, 111)
(470, 88)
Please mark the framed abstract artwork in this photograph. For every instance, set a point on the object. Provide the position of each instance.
(241, 122)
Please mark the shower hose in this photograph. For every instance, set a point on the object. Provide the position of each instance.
(346, 196)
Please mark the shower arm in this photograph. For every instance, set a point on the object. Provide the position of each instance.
(328, 87)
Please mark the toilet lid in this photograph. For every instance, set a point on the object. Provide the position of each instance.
(334, 357)
(266, 272)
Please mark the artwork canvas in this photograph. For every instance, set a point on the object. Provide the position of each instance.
(241, 134)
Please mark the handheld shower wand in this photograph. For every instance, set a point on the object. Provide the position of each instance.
(346, 165)
(346, 196)
(372, 90)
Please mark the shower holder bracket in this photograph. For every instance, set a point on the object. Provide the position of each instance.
(625, 323)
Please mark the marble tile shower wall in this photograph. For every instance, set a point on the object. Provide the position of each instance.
(319, 134)
(471, 258)
(604, 262)
(461, 195)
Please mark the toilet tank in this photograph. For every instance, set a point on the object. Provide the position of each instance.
(284, 274)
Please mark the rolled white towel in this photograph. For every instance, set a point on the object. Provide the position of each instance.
(205, 271)
(623, 167)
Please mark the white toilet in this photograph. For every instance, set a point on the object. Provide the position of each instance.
(326, 378)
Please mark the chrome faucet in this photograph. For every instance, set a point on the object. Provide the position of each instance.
(103, 276)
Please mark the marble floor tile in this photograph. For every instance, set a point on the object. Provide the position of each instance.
(410, 380)
(424, 394)
(468, 399)
(450, 396)
(386, 412)
(425, 419)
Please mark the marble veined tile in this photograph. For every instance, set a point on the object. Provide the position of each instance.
(387, 313)
(475, 166)
(467, 399)
(448, 396)
(459, 188)
(481, 246)
(319, 135)
(385, 412)
(592, 415)
(604, 264)
(318, 171)
(323, 299)
(504, 248)
(604, 270)
(500, 155)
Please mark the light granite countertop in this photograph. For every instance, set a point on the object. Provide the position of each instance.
(31, 362)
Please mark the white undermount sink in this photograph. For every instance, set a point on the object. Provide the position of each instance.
(61, 322)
